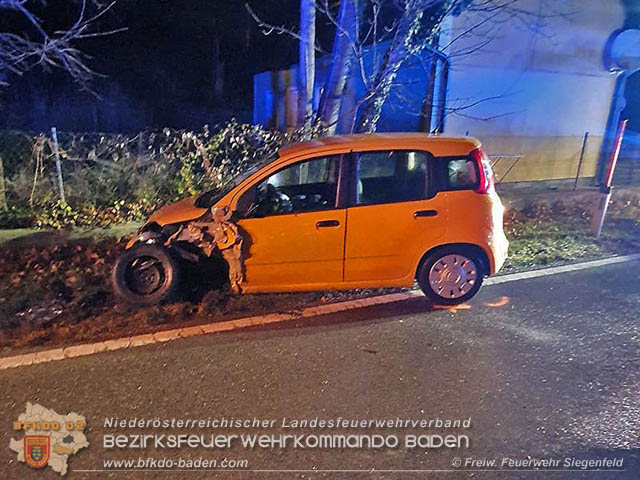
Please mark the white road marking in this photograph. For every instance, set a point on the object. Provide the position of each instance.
(543, 272)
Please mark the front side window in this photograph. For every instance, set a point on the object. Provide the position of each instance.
(306, 186)
(391, 176)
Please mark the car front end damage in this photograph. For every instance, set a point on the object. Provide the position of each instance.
(211, 234)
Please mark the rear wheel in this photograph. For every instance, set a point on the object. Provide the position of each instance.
(146, 275)
(450, 276)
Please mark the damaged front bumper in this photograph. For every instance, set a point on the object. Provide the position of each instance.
(213, 232)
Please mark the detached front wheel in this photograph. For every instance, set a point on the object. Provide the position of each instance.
(451, 276)
(146, 275)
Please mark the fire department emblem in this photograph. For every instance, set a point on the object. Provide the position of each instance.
(36, 450)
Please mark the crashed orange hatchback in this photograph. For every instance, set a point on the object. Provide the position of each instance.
(343, 212)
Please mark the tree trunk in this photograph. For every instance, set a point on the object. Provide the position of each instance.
(306, 68)
(407, 40)
(394, 57)
(341, 59)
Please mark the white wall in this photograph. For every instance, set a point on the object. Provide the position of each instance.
(548, 77)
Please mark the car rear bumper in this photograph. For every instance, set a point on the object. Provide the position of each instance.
(499, 250)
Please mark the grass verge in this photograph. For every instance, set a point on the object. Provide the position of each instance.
(551, 233)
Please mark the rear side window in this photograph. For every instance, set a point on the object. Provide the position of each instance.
(458, 173)
(391, 176)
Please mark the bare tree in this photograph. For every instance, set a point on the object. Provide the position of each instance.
(411, 35)
(341, 59)
(416, 28)
(307, 65)
(21, 51)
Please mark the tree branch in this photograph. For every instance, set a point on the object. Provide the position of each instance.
(19, 53)
(268, 29)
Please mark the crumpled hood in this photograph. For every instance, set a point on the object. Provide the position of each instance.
(182, 211)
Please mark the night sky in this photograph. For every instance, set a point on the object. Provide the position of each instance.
(162, 69)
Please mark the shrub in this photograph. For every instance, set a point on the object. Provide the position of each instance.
(15, 217)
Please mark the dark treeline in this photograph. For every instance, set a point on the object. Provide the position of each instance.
(179, 64)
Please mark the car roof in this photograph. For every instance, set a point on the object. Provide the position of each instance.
(435, 143)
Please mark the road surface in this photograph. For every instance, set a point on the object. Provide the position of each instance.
(544, 368)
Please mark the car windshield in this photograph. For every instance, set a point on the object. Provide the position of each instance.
(211, 197)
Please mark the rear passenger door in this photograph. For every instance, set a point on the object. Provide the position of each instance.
(394, 215)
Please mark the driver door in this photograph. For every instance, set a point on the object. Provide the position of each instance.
(293, 229)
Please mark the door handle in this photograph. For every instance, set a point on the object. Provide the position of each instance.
(425, 213)
(327, 224)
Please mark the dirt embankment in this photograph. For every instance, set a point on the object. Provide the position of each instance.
(62, 295)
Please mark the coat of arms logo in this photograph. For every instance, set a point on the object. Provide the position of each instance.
(36, 450)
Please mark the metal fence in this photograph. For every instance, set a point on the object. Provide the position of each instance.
(31, 163)
(627, 171)
(99, 169)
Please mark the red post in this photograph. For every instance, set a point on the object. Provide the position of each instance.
(615, 152)
(605, 189)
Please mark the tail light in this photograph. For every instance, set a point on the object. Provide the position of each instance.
(485, 174)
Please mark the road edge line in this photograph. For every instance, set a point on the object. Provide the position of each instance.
(574, 267)
(163, 336)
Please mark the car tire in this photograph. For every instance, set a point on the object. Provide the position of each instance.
(146, 275)
(451, 275)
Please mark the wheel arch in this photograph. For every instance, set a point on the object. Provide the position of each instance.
(476, 250)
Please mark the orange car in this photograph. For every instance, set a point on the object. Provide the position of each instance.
(344, 212)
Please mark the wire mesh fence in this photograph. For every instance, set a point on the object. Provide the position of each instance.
(124, 175)
(627, 171)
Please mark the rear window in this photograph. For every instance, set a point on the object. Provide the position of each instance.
(460, 173)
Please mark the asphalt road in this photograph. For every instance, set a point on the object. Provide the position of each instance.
(553, 374)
